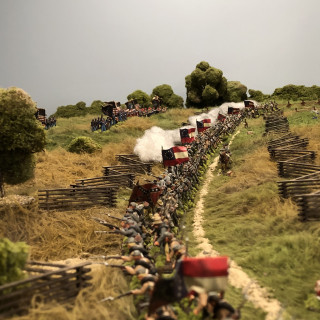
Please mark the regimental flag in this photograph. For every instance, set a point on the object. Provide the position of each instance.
(203, 125)
(232, 110)
(187, 135)
(248, 104)
(208, 273)
(174, 156)
(147, 192)
(198, 274)
(221, 117)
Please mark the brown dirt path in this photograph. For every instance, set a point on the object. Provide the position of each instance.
(256, 294)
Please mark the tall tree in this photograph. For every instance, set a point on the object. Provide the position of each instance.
(236, 91)
(206, 86)
(142, 97)
(169, 98)
(21, 135)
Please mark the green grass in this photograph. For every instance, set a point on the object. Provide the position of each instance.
(246, 219)
(70, 128)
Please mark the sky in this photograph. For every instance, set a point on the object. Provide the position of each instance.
(65, 51)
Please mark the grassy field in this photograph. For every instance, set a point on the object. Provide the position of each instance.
(247, 220)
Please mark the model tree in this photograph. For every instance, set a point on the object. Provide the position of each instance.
(206, 86)
(21, 136)
(168, 97)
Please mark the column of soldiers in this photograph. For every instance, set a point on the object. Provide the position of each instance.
(120, 115)
(50, 122)
(147, 225)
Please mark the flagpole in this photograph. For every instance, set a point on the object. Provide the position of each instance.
(162, 156)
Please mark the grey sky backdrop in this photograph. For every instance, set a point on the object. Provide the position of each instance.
(65, 51)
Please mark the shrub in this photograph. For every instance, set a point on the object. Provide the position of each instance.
(13, 257)
(83, 145)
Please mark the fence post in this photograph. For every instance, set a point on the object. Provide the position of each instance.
(47, 200)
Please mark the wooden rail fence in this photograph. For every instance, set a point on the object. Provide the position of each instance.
(57, 199)
(118, 179)
(97, 190)
(294, 161)
(134, 160)
(47, 282)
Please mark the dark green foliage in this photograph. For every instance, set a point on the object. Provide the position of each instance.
(237, 92)
(294, 92)
(175, 101)
(70, 110)
(16, 167)
(209, 94)
(83, 145)
(205, 86)
(95, 107)
(21, 135)
(142, 97)
(203, 65)
(257, 95)
(13, 257)
(169, 98)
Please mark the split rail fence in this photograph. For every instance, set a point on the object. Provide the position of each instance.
(96, 191)
(47, 282)
(296, 164)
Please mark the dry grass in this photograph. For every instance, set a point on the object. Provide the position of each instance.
(60, 235)
(105, 282)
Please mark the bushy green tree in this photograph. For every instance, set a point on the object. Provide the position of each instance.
(142, 97)
(13, 257)
(21, 135)
(79, 109)
(95, 107)
(294, 92)
(236, 91)
(205, 86)
(257, 95)
(83, 145)
(175, 101)
(169, 98)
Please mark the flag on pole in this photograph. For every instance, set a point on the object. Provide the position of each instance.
(203, 125)
(199, 274)
(248, 104)
(208, 273)
(221, 117)
(187, 135)
(174, 156)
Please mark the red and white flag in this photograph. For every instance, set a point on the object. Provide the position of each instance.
(206, 274)
(203, 125)
(174, 156)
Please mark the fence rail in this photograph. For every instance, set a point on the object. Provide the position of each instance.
(134, 160)
(56, 199)
(120, 179)
(294, 161)
(47, 282)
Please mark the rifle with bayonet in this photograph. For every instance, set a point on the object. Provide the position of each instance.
(105, 223)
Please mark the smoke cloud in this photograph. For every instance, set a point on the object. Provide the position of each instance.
(149, 146)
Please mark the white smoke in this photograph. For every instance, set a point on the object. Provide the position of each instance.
(149, 146)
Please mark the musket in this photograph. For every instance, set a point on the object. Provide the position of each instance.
(102, 231)
(113, 217)
(105, 223)
(117, 297)
(105, 257)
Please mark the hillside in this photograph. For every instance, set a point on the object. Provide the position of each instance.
(245, 218)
